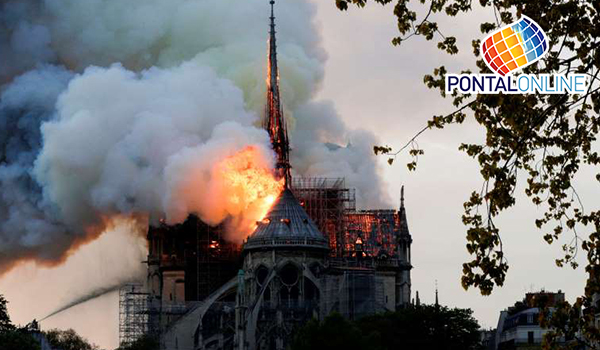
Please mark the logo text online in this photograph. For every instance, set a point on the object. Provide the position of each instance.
(511, 49)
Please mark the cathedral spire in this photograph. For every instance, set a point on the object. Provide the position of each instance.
(402, 197)
(274, 122)
(402, 214)
(273, 83)
(437, 303)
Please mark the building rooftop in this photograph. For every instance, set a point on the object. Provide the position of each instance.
(286, 225)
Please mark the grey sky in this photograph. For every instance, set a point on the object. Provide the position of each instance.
(377, 87)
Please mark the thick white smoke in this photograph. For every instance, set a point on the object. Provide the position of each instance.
(323, 146)
(118, 134)
(157, 90)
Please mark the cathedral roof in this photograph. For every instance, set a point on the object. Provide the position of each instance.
(286, 225)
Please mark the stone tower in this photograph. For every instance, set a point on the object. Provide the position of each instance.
(283, 259)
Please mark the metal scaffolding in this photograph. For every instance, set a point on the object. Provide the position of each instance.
(199, 250)
(333, 208)
(326, 201)
(136, 316)
(217, 259)
(377, 229)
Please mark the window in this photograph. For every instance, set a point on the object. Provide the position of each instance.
(289, 275)
(522, 319)
(261, 274)
(530, 337)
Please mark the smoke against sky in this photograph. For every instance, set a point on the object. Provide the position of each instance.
(118, 134)
(374, 85)
(117, 108)
(28, 223)
(113, 94)
(116, 257)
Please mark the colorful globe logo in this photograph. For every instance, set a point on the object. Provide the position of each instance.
(515, 46)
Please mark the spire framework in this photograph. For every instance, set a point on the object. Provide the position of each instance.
(274, 121)
(402, 215)
(437, 303)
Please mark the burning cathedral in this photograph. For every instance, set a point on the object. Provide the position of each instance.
(311, 255)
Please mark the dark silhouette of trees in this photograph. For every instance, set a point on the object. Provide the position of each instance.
(5, 323)
(545, 139)
(22, 338)
(68, 340)
(11, 336)
(420, 327)
(335, 332)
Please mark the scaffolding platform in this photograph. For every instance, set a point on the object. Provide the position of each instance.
(137, 317)
(326, 201)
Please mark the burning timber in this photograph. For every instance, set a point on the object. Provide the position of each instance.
(312, 254)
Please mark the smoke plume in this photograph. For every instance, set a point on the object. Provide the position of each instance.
(121, 141)
(129, 108)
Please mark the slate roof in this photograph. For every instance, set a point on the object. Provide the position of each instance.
(286, 225)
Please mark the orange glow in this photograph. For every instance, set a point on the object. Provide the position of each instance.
(135, 223)
(251, 185)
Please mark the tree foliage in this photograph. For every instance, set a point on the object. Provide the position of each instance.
(18, 339)
(68, 340)
(12, 337)
(544, 140)
(335, 332)
(5, 324)
(422, 327)
(21, 338)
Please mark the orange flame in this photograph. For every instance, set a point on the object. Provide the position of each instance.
(251, 186)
